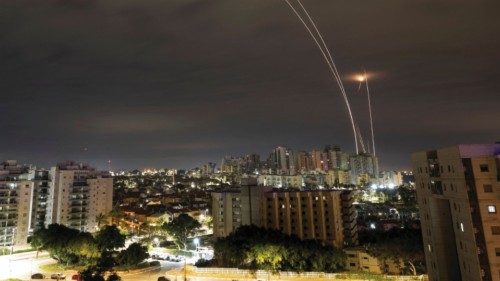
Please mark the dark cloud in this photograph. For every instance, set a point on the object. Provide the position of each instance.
(177, 83)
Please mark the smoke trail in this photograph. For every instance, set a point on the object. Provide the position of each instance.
(370, 111)
(329, 61)
(361, 139)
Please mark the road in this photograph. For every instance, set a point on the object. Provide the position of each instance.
(23, 265)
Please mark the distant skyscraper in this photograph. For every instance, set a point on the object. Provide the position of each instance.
(281, 160)
(458, 192)
(364, 166)
(317, 159)
(303, 161)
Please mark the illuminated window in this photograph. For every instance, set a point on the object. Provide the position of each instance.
(462, 227)
(492, 209)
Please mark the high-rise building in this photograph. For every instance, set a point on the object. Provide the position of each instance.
(208, 169)
(40, 184)
(303, 161)
(458, 192)
(77, 194)
(15, 201)
(281, 161)
(364, 166)
(252, 163)
(325, 215)
(317, 157)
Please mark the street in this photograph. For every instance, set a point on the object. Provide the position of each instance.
(23, 265)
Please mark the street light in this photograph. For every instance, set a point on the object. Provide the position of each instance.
(156, 241)
(196, 242)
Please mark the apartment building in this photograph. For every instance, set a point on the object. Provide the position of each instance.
(285, 181)
(458, 192)
(77, 194)
(235, 207)
(325, 215)
(15, 203)
(359, 260)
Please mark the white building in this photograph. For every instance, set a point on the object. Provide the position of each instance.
(77, 194)
(279, 181)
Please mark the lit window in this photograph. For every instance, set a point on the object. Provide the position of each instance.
(492, 209)
(462, 227)
(430, 248)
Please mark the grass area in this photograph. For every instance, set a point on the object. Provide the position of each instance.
(142, 265)
(57, 267)
(366, 276)
(177, 252)
(6, 251)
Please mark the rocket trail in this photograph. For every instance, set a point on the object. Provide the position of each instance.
(370, 110)
(329, 61)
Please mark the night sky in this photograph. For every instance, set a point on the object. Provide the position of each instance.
(176, 83)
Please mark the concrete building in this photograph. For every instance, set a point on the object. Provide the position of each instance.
(317, 160)
(364, 167)
(326, 215)
(359, 260)
(458, 192)
(235, 207)
(303, 161)
(15, 201)
(281, 181)
(337, 177)
(77, 194)
(281, 161)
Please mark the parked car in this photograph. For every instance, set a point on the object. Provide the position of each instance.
(76, 277)
(37, 276)
(163, 278)
(58, 276)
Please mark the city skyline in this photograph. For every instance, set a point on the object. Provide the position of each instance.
(150, 84)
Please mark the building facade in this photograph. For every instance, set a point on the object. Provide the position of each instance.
(77, 194)
(325, 215)
(234, 208)
(458, 192)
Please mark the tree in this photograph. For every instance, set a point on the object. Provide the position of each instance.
(267, 256)
(400, 245)
(180, 228)
(408, 195)
(133, 255)
(85, 248)
(109, 238)
(38, 240)
(100, 219)
(115, 214)
(258, 248)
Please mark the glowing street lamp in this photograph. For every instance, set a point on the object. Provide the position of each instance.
(196, 242)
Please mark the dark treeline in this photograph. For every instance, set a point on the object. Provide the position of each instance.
(252, 247)
(97, 254)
